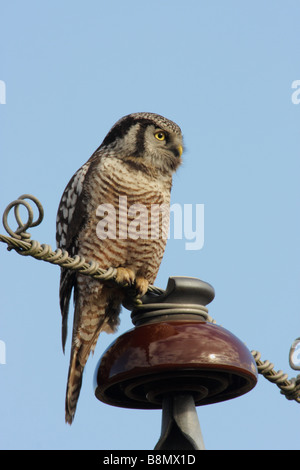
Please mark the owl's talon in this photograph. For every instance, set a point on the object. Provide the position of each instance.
(141, 286)
(125, 277)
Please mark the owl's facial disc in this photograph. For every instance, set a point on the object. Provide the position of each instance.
(162, 147)
(163, 136)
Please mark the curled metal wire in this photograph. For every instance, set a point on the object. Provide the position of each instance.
(294, 355)
(20, 232)
(288, 387)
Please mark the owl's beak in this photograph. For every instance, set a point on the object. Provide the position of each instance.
(177, 151)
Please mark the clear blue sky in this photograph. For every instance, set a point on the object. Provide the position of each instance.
(224, 72)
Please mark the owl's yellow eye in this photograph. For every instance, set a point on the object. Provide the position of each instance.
(160, 135)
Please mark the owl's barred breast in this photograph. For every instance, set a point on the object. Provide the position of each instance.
(120, 187)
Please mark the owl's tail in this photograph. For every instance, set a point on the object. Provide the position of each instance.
(79, 357)
(104, 317)
(73, 389)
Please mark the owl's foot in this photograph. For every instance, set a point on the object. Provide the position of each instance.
(132, 297)
(141, 286)
(125, 277)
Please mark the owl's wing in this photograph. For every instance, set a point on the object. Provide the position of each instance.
(67, 283)
(71, 218)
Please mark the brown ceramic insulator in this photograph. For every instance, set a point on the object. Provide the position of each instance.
(174, 355)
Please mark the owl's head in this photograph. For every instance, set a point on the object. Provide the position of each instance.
(146, 140)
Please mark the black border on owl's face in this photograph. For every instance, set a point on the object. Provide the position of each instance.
(122, 126)
(118, 131)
